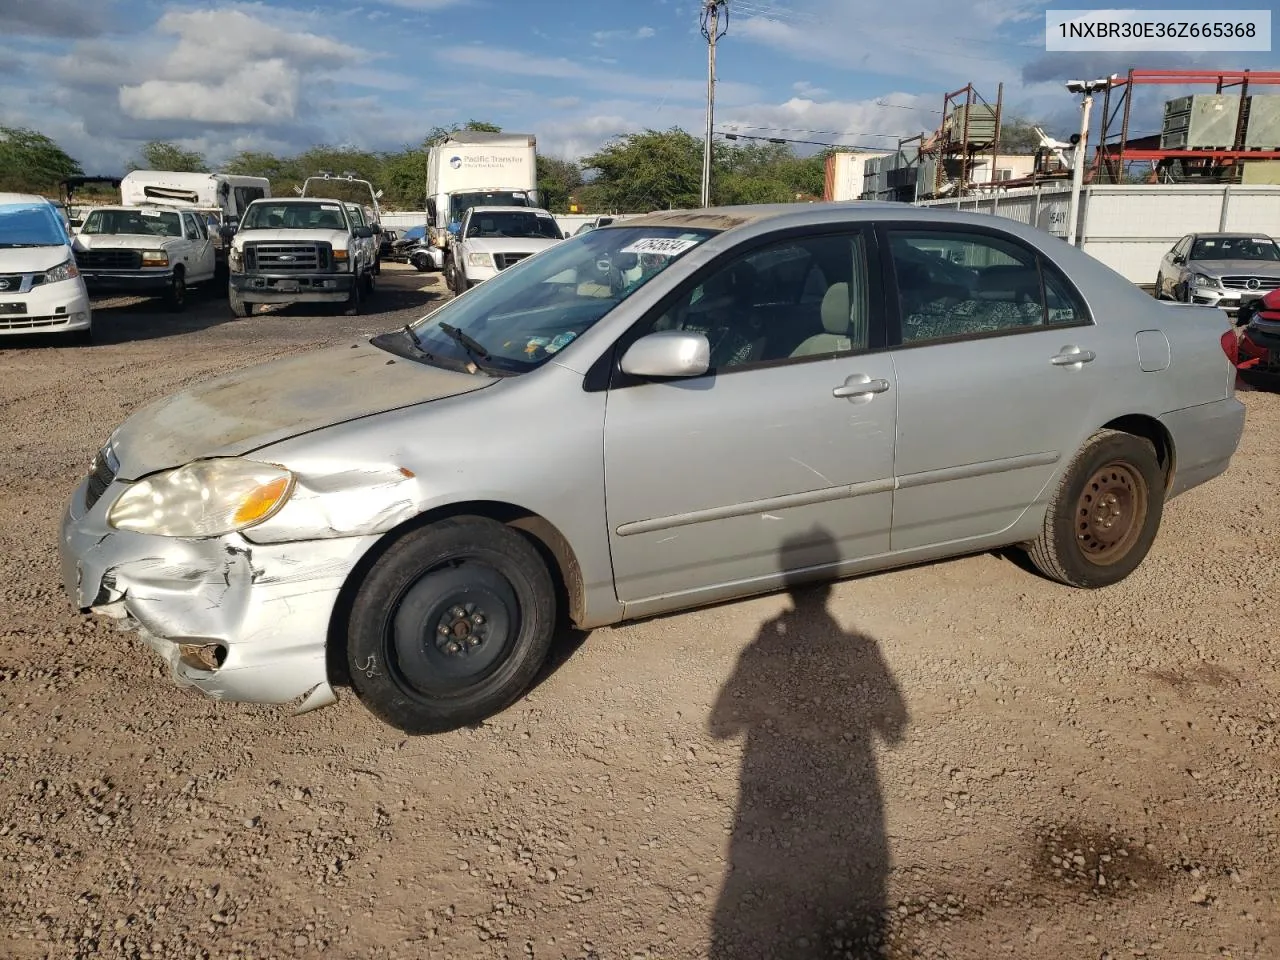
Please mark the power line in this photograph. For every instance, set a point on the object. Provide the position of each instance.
(826, 133)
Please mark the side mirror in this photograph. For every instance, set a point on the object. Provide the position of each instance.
(364, 233)
(668, 353)
(1178, 259)
(377, 228)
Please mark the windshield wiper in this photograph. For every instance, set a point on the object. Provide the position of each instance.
(469, 343)
(417, 344)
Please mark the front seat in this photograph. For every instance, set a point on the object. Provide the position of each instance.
(836, 336)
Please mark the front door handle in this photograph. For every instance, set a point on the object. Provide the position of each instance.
(1070, 356)
(860, 385)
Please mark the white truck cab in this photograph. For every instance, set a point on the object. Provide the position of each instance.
(493, 238)
(299, 249)
(145, 251)
(41, 290)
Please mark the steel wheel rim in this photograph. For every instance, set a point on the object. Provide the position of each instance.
(1111, 512)
(451, 629)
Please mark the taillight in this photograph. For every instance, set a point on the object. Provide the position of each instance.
(1231, 347)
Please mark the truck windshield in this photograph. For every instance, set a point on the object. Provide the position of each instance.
(143, 223)
(321, 215)
(532, 310)
(30, 225)
(501, 223)
(460, 203)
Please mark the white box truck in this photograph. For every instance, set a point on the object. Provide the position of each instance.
(469, 168)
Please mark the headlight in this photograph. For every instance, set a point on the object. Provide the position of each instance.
(63, 271)
(155, 258)
(340, 258)
(479, 260)
(205, 498)
(1200, 280)
(235, 259)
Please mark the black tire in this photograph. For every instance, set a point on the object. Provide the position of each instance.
(355, 299)
(421, 263)
(368, 284)
(377, 266)
(82, 338)
(1159, 287)
(175, 297)
(1079, 546)
(239, 306)
(451, 625)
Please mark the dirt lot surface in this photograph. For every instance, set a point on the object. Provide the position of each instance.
(993, 764)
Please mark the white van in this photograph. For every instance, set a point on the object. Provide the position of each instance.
(41, 290)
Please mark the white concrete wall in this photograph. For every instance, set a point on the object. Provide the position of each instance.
(1130, 227)
(569, 222)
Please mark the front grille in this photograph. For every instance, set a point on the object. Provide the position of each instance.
(109, 259)
(1242, 283)
(504, 260)
(286, 257)
(100, 477)
(31, 323)
(10, 282)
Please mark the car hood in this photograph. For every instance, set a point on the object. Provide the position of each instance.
(1231, 268)
(508, 244)
(338, 238)
(122, 241)
(236, 413)
(30, 259)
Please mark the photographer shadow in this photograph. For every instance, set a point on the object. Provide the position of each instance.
(809, 857)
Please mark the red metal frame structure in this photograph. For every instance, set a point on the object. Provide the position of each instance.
(943, 145)
(1112, 157)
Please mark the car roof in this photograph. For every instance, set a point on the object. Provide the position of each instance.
(23, 198)
(511, 209)
(722, 219)
(1233, 235)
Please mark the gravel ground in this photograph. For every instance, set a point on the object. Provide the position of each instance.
(961, 759)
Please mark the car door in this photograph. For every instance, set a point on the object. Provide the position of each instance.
(200, 252)
(1171, 267)
(999, 378)
(790, 435)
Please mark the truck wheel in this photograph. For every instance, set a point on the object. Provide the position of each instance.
(368, 283)
(451, 625)
(1103, 518)
(377, 266)
(176, 296)
(355, 298)
(240, 307)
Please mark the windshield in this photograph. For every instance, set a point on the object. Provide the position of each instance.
(501, 223)
(143, 223)
(265, 215)
(31, 225)
(1235, 248)
(460, 203)
(530, 311)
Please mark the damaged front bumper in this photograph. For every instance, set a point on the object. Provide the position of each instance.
(237, 620)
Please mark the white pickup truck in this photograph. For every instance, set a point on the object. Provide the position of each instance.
(299, 250)
(493, 238)
(148, 250)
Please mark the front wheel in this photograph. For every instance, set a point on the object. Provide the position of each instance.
(355, 299)
(451, 625)
(1103, 518)
(176, 296)
(239, 306)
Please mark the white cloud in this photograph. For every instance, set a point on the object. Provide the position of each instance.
(256, 93)
(602, 37)
(807, 89)
(489, 59)
(422, 6)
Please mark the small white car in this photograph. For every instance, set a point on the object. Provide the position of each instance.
(493, 238)
(145, 251)
(41, 290)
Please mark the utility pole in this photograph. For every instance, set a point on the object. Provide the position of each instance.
(713, 31)
(1088, 88)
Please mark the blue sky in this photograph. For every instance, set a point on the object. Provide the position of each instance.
(104, 76)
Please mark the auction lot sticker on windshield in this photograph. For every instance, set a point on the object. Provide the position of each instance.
(150, 213)
(666, 246)
(329, 206)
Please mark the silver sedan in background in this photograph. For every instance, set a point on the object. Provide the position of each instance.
(665, 412)
(1221, 270)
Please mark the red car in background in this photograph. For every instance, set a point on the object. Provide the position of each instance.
(1254, 344)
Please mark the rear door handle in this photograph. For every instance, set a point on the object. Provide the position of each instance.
(860, 385)
(1071, 356)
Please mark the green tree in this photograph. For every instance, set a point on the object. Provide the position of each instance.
(557, 181)
(652, 170)
(1017, 135)
(163, 155)
(30, 162)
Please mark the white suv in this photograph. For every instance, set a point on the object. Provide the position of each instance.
(41, 290)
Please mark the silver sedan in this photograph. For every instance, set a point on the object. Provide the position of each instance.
(661, 413)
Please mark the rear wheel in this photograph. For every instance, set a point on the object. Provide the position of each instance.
(451, 625)
(1104, 516)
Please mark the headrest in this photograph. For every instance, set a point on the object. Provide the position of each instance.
(835, 309)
